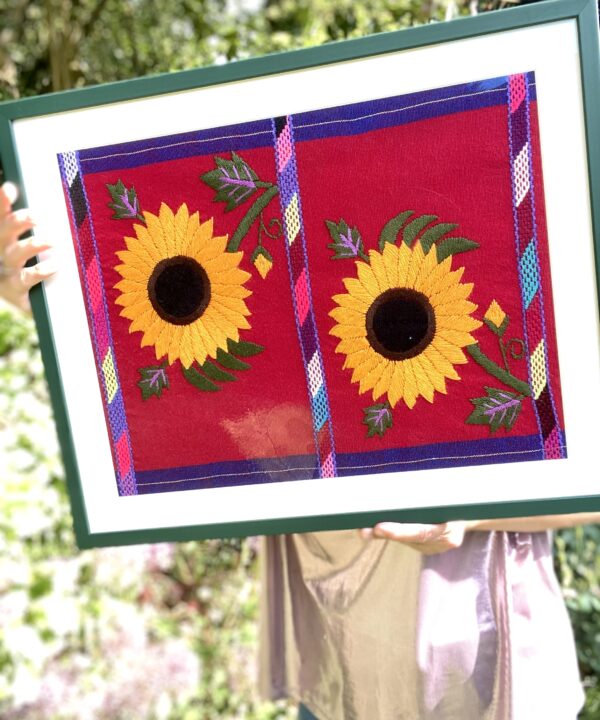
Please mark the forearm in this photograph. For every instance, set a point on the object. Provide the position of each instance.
(534, 524)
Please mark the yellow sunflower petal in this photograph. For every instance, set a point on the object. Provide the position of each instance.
(443, 284)
(350, 345)
(383, 383)
(233, 291)
(131, 312)
(161, 346)
(355, 359)
(233, 303)
(367, 279)
(427, 284)
(204, 250)
(404, 260)
(131, 298)
(130, 272)
(390, 263)
(378, 270)
(142, 262)
(396, 386)
(204, 345)
(346, 316)
(437, 379)
(369, 381)
(232, 277)
(348, 331)
(221, 263)
(466, 323)
(167, 222)
(153, 237)
(411, 388)
(146, 251)
(361, 371)
(429, 264)
(187, 351)
(235, 318)
(131, 286)
(440, 362)
(357, 291)
(424, 385)
(175, 343)
(455, 309)
(349, 301)
(455, 337)
(212, 330)
(449, 350)
(153, 331)
(415, 266)
(181, 220)
(455, 293)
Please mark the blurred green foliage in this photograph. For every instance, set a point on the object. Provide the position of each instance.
(178, 622)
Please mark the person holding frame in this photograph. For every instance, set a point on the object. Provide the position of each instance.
(462, 619)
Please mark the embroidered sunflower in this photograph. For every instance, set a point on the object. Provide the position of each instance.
(403, 323)
(180, 287)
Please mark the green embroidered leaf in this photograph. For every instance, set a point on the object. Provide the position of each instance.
(414, 227)
(124, 202)
(234, 180)
(198, 380)
(454, 245)
(230, 362)
(390, 231)
(433, 234)
(154, 381)
(215, 373)
(347, 243)
(378, 418)
(243, 348)
(500, 408)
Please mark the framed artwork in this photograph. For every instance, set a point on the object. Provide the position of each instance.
(325, 288)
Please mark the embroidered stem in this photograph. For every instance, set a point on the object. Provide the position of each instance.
(251, 216)
(499, 373)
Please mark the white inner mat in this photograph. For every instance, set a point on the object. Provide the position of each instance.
(551, 51)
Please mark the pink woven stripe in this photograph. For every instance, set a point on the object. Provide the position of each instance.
(123, 456)
(302, 300)
(552, 447)
(284, 147)
(94, 285)
(517, 91)
(101, 332)
(328, 468)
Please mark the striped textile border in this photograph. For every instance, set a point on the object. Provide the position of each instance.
(295, 245)
(102, 341)
(519, 129)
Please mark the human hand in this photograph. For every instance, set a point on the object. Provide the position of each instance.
(15, 279)
(427, 539)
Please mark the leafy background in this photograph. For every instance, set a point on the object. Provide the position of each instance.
(164, 631)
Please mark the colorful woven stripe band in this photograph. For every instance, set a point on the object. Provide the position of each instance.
(295, 244)
(529, 267)
(99, 324)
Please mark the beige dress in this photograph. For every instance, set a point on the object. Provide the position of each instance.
(372, 630)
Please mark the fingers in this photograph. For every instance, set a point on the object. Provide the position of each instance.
(409, 532)
(12, 226)
(8, 196)
(31, 276)
(18, 253)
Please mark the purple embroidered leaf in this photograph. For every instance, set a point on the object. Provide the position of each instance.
(378, 419)
(500, 408)
(154, 381)
(234, 180)
(124, 202)
(347, 242)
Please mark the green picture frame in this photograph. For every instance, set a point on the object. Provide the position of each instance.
(582, 18)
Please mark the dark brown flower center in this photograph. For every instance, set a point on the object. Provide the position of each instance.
(400, 323)
(179, 290)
